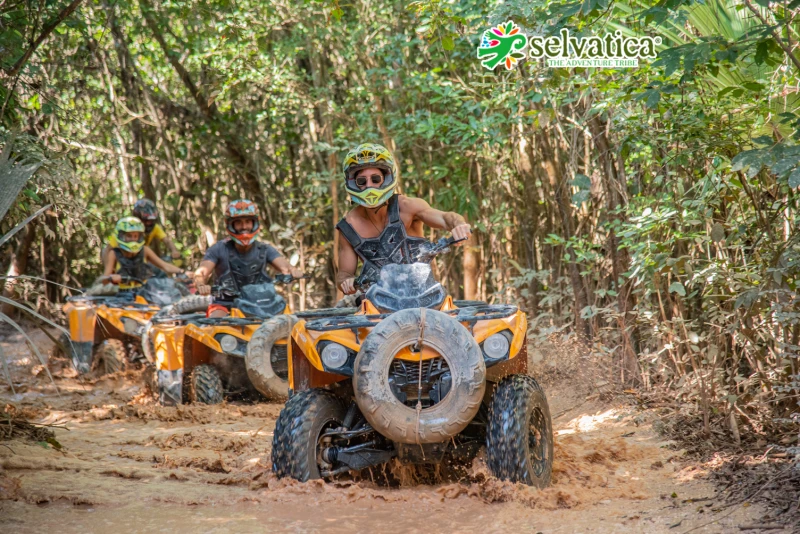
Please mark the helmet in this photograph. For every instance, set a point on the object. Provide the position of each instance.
(145, 209)
(364, 156)
(241, 209)
(129, 224)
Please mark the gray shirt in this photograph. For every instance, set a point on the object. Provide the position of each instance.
(219, 255)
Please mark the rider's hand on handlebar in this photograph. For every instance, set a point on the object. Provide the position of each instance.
(202, 289)
(461, 233)
(176, 255)
(115, 278)
(295, 272)
(348, 286)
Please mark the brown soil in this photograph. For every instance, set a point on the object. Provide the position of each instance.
(127, 465)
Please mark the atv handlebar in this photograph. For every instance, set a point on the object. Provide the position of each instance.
(425, 255)
(227, 294)
(288, 278)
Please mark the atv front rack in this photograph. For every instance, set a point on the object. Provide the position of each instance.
(187, 317)
(246, 321)
(469, 315)
(229, 321)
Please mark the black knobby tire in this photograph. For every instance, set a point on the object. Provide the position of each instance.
(191, 304)
(519, 437)
(260, 350)
(110, 356)
(373, 392)
(205, 385)
(148, 346)
(298, 429)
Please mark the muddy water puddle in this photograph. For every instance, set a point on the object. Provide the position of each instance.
(129, 466)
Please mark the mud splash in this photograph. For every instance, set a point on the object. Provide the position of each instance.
(135, 465)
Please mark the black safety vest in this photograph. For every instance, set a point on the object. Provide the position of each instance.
(243, 272)
(393, 245)
(134, 267)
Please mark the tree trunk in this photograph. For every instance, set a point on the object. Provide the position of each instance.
(469, 264)
(133, 97)
(558, 180)
(46, 31)
(615, 193)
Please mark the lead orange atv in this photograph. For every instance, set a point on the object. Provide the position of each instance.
(242, 353)
(105, 330)
(414, 376)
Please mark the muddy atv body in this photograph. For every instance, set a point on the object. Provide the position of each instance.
(414, 376)
(242, 353)
(105, 331)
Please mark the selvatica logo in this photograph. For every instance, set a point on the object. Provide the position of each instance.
(505, 44)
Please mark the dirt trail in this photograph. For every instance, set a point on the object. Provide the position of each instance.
(129, 466)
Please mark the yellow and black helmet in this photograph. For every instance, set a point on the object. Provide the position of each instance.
(362, 157)
(126, 225)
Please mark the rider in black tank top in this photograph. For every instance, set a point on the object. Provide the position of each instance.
(393, 245)
(370, 178)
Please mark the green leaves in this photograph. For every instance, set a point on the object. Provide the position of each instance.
(677, 287)
(782, 160)
(794, 179)
(448, 43)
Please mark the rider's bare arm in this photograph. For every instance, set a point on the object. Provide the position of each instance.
(153, 258)
(173, 250)
(109, 263)
(443, 220)
(285, 267)
(348, 263)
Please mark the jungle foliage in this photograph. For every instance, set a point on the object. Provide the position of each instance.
(650, 212)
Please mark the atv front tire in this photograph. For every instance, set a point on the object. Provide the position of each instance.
(191, 304)
(295, 444)
(110, 356)
(205, 385)
(266, 359)
(392, 418)
(519, 437)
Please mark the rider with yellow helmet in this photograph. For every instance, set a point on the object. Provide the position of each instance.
(385, 227)
(127, 259)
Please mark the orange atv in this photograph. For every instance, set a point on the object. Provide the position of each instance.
(412, 375)
(104, 331)
(244, 352)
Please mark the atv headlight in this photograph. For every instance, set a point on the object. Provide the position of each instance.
(334, 355)
(496, 346)
(228, 343)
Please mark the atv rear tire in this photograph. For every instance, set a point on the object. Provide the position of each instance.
(264, 357)
(297, 431)
(205, 385)
(374, 395)
(191, 304)
(519, 437)
(110, 356)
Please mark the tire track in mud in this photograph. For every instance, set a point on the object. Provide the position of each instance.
(122, 453)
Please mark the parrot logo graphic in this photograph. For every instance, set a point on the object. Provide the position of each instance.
(502, 44)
